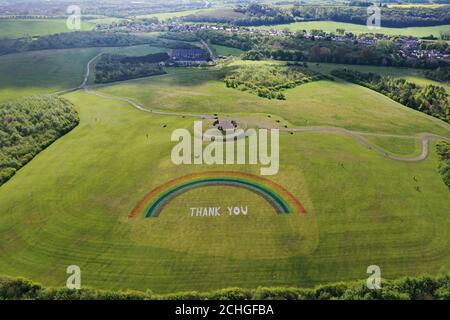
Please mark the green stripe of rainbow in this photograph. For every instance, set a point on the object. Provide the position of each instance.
(154, 202)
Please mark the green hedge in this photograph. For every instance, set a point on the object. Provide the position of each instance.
(410, 288)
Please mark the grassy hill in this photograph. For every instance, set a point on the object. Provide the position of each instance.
(70, 205)
(48, 71)
(320, 103)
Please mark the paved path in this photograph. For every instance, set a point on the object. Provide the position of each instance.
(356, 135)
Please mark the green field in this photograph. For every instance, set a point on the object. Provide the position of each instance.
(176, 14)
(331, 26)
(321, 103)
(226, 51)
(412, 75)
(16, 28)
(70, 204)
(48, 71)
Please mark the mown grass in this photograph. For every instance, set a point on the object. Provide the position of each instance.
(320, 103)
(47, 71)
(226, 51)
(70, 206)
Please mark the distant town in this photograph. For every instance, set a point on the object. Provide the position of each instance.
(409, 47)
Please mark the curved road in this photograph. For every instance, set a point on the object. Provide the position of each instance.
(356, 135)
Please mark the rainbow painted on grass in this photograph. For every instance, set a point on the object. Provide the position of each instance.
(278, 197)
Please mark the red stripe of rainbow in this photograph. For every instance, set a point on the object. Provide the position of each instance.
(154, 202)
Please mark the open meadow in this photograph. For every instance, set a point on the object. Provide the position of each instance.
(71, 203)
(18, 28)
(49, 71)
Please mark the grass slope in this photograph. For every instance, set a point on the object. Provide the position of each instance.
(176, 14)
(70, 204)
(48, 71)
(226, 51)
(320, 103)
(17, 28)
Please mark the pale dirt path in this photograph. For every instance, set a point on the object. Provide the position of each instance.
(356, 135)
(211, 53)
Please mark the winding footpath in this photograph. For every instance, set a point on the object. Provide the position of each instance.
(356, 135)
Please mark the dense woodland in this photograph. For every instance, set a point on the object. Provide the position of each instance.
(268, 81)
(252, 15)
(443, 151)
(28, 126)
(430, 99)
(441, 74)
(85, 39)
(260, 14)
(112, 67)
(391, 17)
(410, 288)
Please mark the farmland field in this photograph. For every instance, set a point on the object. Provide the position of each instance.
(16, 28)
(331, 26)
(167, 15)
(49, 71)
(226, 51)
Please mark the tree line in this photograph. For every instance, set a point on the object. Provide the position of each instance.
(85, 39)
(429, 99)
(443, 151)
(395, 17)
(261, 14)
(441, 74)
(28, 126)
(112, 67)
(251, 15)
(409, 288)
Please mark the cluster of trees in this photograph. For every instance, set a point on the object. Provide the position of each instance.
(111, 67)
(269, 81)
(28, 126)
(443, 151)
(84, 39)
(441, 74)
(251, 15)
(430, 99)
(79, 39)
(297, 48)
(391, 17)
(260, 14)
(444, 35)
(410, 288)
